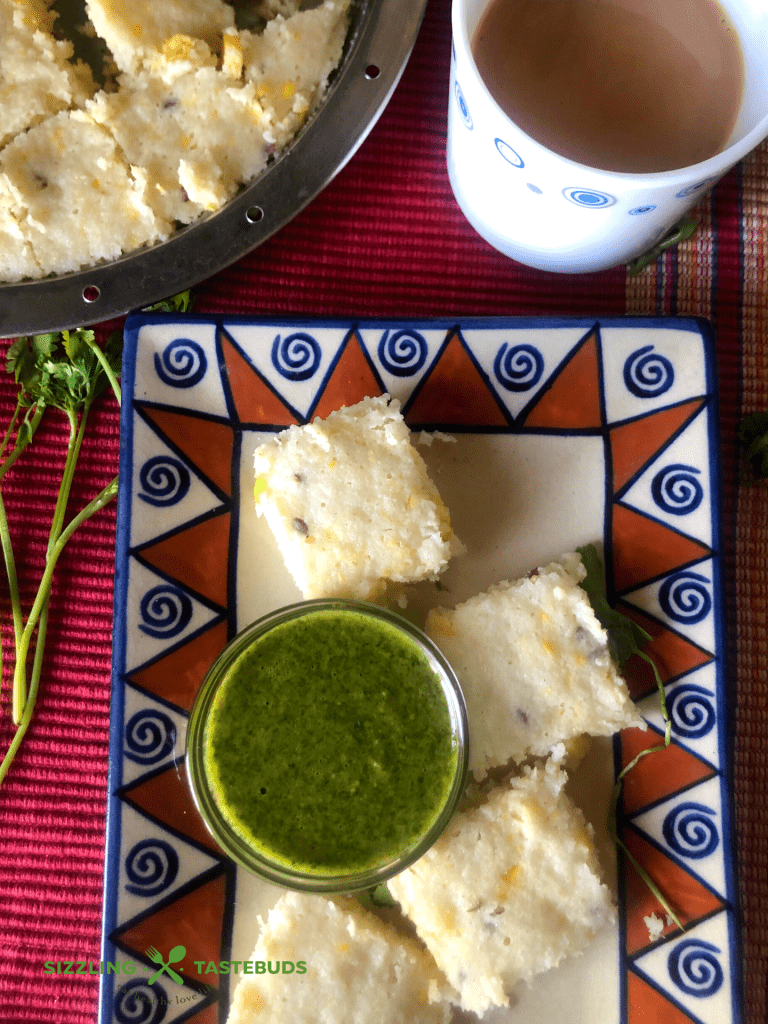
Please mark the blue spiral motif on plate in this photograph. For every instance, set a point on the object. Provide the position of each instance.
(685, 597)
(692, 714)
(690, 831)
(694, 968)
(164, 481)
(149, 736)
(138, 1002)
(589, 198)
(182, 364)
(151, 866)
(297, 356)
(461, 103)
(402, 353)
(509, 154)
(676, 490)
(642, 209)
(166, 611)
(648, 374)
(518, 367)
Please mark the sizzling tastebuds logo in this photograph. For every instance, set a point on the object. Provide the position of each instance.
(175, 956)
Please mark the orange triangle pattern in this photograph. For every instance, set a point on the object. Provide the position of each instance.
(352, 379)
(208, 1015)
(167, 798)
(196, 557)
(571, 400)
(176, 677)
(672, 655)
(454, 393)
(688, 898)
(644, 549)
(194, 921)
(657, 775)
(634, 444)
(647, 1006)
(254, 399)
(208, 444)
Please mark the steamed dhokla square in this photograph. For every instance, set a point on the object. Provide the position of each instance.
(510, 889)
(136, 30)
(194, 134)
(350, 503)
(533, 663)
(72, 196)
(37, 76)
(357, 970)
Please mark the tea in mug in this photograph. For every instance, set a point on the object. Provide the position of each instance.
(621, 85)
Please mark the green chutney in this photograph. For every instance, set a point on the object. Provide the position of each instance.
(329, 745)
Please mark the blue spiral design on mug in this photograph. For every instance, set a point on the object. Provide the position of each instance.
(297, 356)
(676, 490)
(164, 481)
(642, 209)
(166, 612)
(182, 364)
(693, 188)
(690, 831)
(685, 597)
(402, 353)
(518, 367)
(509, 154)
(589, 198)
(151, 866)
(149, 736)
(648, 374)
(461, 103)
(694, 968)
(692, 714)
(138, 1002)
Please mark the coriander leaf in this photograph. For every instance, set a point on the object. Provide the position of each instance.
(180, 303)
(625, 637)
(753, 434)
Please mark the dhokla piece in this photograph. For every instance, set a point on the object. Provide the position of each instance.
(136, 31)
(195, 134)
(74, 199)
(289, 64)
(350, 503)
(37, 78)
(534, 665)
(358, 971)
(17, 260)
(510, 889)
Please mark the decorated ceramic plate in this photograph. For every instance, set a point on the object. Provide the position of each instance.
(541, 435)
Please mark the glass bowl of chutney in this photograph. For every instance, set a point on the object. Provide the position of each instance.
(327, 748)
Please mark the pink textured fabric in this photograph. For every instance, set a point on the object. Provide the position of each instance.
(385, 238)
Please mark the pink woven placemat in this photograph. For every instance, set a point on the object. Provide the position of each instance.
(385, 238)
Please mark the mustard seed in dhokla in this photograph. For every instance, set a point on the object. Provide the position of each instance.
(329, 745)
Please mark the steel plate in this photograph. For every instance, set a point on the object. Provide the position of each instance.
(381, 37)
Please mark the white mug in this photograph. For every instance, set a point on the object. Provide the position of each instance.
(552, 213)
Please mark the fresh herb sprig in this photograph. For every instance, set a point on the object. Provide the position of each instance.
(66, 372)
(625, 639)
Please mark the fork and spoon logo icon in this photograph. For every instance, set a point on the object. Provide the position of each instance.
(176, 954)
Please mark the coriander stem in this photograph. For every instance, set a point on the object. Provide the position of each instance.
(19, 692)
(109, 373)
(10, 569)
(11, 425)
(29, 705)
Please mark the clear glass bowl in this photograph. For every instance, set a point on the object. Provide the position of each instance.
(236, 844)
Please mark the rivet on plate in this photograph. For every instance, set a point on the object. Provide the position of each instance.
(372, 71)
(91, 293)
(254, 214)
